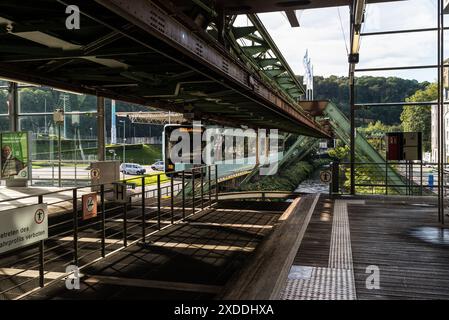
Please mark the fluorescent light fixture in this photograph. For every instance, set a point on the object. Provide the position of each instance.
(355, 43)
(67, 91)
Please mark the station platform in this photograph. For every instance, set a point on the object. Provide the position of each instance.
(349, 248)
(313, 247)
(371, 248)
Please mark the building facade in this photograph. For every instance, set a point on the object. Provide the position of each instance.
(434, 122)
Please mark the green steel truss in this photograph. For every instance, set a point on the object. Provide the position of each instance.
(254, 45)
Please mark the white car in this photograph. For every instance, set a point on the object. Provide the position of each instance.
(158, 166)
(132, 168)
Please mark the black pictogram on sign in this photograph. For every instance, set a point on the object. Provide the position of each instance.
(95, 173)
(326, 176)
(39, 216)
(89, 206)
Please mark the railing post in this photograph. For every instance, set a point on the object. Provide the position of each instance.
(103, 222)
(386, 177)
(125, 222)
(202, 188)
(52, 173)
(335, 176)
(216, 183)
(159, 201)
(183, 196)
(171, 200)
(209, 185)
(41, 253)
(420, 173)
(75, 227)
(193, 190)
(143, 210)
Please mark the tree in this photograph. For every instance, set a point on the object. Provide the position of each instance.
(418, 118)
(340, 152)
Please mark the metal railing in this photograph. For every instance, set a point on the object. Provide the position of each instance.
(72, 173)
(416, 178)
(155, 202)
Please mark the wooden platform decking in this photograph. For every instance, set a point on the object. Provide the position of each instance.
(386, 234)
(347, 236)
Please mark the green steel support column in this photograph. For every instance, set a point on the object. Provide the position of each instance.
(363, 150)
(221, 24)
(303, 145)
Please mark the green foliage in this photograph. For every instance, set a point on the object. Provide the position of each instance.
(378, 129)
(137, 153)
(149, 180)
(340, 152)
(142, 154)
(418, 118)
(369, 89)
(40, 99)
(287, 179)
(375, 132)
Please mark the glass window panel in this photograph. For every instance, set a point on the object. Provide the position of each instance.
(78, 136)
(3, 101)
(42, 99)
(4, 123)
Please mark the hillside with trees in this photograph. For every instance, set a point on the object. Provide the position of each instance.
(369, 90)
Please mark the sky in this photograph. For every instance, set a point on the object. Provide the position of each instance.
(322, 34)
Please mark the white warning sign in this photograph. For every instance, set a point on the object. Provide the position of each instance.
(326, 176)
(23, 226)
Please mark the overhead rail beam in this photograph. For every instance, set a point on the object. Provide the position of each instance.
(143, 13)
(137, 34)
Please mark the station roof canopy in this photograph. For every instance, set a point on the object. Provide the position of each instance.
(152, 53)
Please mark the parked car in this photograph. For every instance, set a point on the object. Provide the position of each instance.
(132, 168)
(158, 166)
